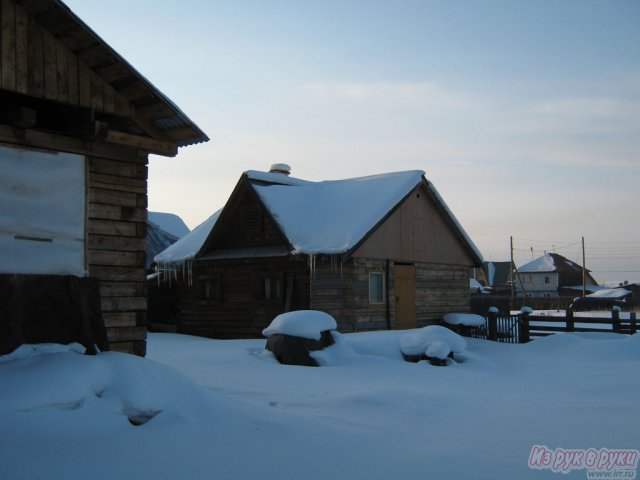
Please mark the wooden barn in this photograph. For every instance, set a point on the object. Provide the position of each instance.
(77, 125)
(378, 252)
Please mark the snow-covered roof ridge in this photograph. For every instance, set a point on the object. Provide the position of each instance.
(275, 178)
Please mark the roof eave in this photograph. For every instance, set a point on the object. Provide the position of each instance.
(172, 121)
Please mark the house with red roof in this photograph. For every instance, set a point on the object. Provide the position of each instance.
(548, 274)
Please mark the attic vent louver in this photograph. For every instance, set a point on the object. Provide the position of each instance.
(281, 168)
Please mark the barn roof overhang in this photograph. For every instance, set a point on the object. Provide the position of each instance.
(151, 120)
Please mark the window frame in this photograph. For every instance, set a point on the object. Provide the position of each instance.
(379, 298)
(215, 292)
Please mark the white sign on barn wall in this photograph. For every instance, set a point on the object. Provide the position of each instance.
(42, 212)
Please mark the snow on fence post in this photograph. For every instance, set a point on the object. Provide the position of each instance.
(632, 323)
(523, 331)
(615, 318)
(571, 324)
(492, 327)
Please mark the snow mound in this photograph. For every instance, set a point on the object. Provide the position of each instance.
(418, 341)
(301, 323)
(466, 319)
(28, 350)
(340, 353)
(114, 388)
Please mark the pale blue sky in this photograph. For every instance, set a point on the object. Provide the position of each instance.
(524, 114)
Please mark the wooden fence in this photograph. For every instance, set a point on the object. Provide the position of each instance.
(480, 304)
(524, 327)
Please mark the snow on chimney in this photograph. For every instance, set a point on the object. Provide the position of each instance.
(281, 168)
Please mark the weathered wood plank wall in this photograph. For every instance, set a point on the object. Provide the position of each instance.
(343, 292)
(117, 216)
(440, 289)
(35, 63)
(239, 311)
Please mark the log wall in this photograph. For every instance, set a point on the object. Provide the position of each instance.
(238, 309)
(343, 292)
(116, 246)
(440, 289)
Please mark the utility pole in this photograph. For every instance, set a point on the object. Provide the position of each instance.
(584, 271)
(511, 279)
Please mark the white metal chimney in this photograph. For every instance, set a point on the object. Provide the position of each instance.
(281, 168)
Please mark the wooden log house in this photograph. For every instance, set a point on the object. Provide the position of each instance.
(380, 252)
(70, 103)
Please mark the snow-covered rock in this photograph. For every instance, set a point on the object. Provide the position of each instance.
(301, 323)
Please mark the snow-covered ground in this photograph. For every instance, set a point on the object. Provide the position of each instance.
(211, 409)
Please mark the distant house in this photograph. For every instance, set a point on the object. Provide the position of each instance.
(498, 276)
(163, 230)
(548, 274)
(375, 252)
(77, 123)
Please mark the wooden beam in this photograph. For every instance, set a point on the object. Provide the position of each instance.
(62, 143)
(150, 145)
(150, 129)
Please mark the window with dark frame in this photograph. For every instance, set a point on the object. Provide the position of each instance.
(376, 287)
(208, 288)
(272, 288)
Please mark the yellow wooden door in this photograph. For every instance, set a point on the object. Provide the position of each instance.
(405, 289)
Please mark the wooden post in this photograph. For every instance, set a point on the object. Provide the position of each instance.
(524, 328)
(615, 319)
(584, 271)
(571, 324)
(492, 333)
(632, 323)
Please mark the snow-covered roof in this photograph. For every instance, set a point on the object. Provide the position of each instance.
(326, 217)
(169, 222)
(610, 293)
(187, 247)
(332, 217)
(544, 263)
(550, 262)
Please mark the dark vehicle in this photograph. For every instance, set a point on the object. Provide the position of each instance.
(586, 304)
